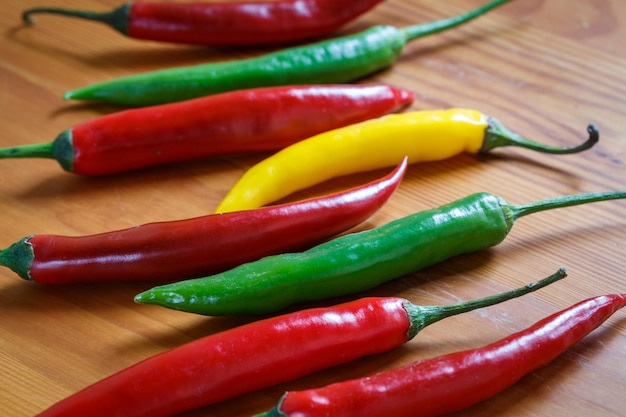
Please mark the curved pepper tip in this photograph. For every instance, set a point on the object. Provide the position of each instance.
(144, 297)
(405, 97)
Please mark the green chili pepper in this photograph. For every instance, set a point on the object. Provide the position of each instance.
(332, 61)
(357, 262)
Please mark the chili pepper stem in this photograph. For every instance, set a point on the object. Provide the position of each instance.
(517, 211)
(18, 257)
(61, 149)
(418, 31)
(117, 18)
(38, 150)
(497, 135)
(422, 316)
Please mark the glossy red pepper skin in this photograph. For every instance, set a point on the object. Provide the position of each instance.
(245, 121)
(264, 353)
(241, 23)
(243, 359)
(456, 381)
(192, 247)
(225, 23)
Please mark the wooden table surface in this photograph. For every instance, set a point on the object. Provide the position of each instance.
(544, 68)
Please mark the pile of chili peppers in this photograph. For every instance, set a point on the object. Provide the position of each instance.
(337, 60)
(453, 382)
(264, 259)
(177, 249)
(262, 353)
(357, 262)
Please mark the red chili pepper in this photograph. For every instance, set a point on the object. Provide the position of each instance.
(224, 23)
(190, 248)
(261, 354)
(456, 381)
(255, 120)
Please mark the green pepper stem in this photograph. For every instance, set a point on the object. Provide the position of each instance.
(497, 136)
(422, 316)
(39, 150)
(117, 18)
(417, 31)
(564, 201)
(61, 150)
(18, 257)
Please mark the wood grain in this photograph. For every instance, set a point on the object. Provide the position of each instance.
(544, 68)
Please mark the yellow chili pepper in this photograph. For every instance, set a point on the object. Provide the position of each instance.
(375, 144)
